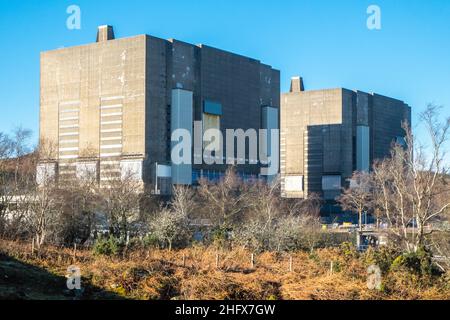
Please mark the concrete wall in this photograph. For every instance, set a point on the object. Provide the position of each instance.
(137, 75)
(310, 122)
(334, 132)
(109, 72)
(388, 115)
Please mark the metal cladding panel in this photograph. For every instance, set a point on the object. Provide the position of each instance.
(182, 118)
(164, 171)
(293, 183)
(210, 121)
(131, 169)
(86, 170)
(270, 122)
(362, 148)
(212, 108)
(45, 172)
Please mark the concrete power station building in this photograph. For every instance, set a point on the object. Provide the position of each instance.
(111, 106)
(326, 135)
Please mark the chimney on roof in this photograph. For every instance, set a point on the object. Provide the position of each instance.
(297, 84)
(105, 33)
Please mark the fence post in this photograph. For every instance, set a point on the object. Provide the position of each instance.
(252, 261)
(74, 251)
(331, 267)
(290, 263)
(32, 247)
(217, 260)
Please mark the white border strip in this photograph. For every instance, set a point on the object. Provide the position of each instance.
(111, 130)
(111, 146)
(68, 141)
(113, 106)
(69, 157)
(111, 98)
(71, 126)
(106, 155)
(69, 134)
(111, 138)
(111, 114)
(69, 118)
(111, 122)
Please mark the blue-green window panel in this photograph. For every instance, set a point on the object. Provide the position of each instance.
(211, 107)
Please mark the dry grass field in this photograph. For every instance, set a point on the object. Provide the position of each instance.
(193, 274)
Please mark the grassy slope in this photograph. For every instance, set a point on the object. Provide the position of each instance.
(23, 281)
(158, 274)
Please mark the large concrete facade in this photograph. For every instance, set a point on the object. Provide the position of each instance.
(112, 105)
(326, 135)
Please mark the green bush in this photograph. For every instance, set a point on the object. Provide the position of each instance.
(150, 241)
(220, 236)
(348, 249)
(418, 262)
(383, 257)
(111, 246)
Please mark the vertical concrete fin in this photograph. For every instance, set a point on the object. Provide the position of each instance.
(297, 84)
(105, 33)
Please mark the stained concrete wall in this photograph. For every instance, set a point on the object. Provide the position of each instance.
(319, 134)
(139, 73)
(157, 120)
(310, 122)
(388, 115)
(114, 68)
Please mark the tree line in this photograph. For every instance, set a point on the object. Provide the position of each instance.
(80, 210)
(407, 192)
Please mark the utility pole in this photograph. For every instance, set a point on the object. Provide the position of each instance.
(156, 178)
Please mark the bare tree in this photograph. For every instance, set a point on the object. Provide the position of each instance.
(410, 184)
(307, 217)
(264, 202)
(440, 243)
(287, 233)
(19, 188)
(358, 196)
(226, 200)
(5, 179)
(20, 147)
(5, 147)
(79, 203)
(183, 200)
(275, 224)
(171, 227)
(41, 202)
(303, 207)
(17, 166)
(120, 197)
(257, 227)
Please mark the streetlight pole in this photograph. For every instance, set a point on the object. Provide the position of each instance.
(156, 178)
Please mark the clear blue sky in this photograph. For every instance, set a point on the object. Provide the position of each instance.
(326, 42)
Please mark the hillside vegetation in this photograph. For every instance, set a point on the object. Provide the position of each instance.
(192, 274)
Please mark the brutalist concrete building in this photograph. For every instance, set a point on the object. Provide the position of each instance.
(112, 105)
(326, 135)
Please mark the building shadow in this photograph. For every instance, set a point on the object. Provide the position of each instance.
(22, 281)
